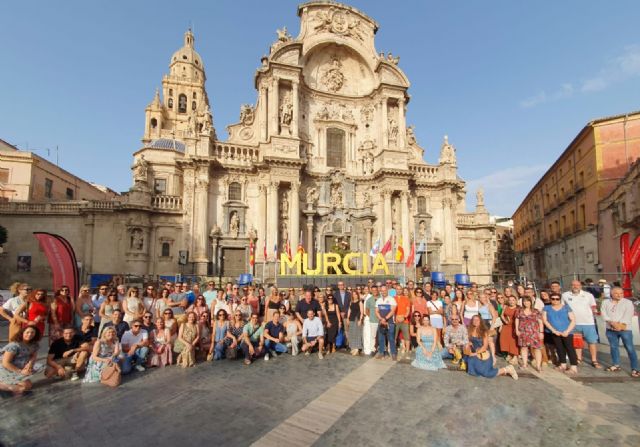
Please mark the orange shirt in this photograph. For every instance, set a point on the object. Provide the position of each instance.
(403, 305)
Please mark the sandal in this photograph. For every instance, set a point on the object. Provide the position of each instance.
(635, 373)
(613, 368)
(596, 365)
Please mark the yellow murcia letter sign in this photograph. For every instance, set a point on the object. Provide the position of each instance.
(334, 263)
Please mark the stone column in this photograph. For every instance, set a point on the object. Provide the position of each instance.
(402, 125)
(87, 260)
(447, 234)
(200, 233)
(386, 227)
(309, 236)
(214, 255)
(385, 123)
(294, 217)
(368, 243)
(296, 111)
(404, 212)
(262, 113)
(262, 221)
(153, 251)
(272, 215)
(273, 107)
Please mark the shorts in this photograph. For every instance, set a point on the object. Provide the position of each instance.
(404, 328)
(311, 339)
(588, 331)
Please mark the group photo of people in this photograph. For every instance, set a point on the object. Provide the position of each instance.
(102, 334)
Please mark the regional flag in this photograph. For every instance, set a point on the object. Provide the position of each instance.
(375, 249)
(400, 251)
(252, 255)
(264, 249)
(412, 255)
(300, 248)
(387, 247)
(288, 247)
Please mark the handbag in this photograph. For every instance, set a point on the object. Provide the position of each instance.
(578, 341)
(231, 353)
(340, 338)
(484, 355)
(111, 375)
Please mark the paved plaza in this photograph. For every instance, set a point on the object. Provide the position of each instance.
(341, 400)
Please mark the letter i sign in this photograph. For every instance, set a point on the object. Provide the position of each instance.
(630, 260)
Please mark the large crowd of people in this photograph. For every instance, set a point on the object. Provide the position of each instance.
(181, 324)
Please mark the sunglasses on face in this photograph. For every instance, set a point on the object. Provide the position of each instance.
(136, 325)
(555, 299)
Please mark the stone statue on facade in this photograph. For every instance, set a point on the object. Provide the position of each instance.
(336, 196)
(447, 153)
(411, 136)
(366, 113)
(286, 110)
(253, 233)
(366, 199)
(234, 224)
(393, 130)
(140, 170)
(284, 206)
(368, 163)
(284, 233)
(312, 197)
(137, 239)
(480, 197)
(283, 34)
(247, 115)
(393, 60)
(422, 231)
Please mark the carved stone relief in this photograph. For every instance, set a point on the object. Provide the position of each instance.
(333, 78)
(340, 22)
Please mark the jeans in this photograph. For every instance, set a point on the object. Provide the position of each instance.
(219, 350)
(273, 346)
(245, 349)
(138, 357)
(627, 340)
(389, 336)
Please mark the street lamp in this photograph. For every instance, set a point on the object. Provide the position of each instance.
(466, 262)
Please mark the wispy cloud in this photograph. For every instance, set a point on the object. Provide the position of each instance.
(507, 178)
(505, 188)
(617, 69)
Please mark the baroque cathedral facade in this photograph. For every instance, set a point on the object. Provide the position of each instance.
(325, 156)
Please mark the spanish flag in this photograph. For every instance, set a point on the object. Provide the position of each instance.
(300, 248)
(252, 254)
(400, 251)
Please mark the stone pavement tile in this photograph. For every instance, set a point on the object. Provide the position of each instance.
(220, 403)
(412, 407)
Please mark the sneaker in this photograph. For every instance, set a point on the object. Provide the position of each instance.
(266, 357)
(512, 372)
(74, 376)
(320, 355)
(306, 353)
(294, 354)
(140, 368)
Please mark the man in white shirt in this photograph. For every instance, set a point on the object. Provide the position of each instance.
(135, 347)
(312, 334)
(618, 316)
(211, 293)
(583, 304)
(97, 301)
(385, 311)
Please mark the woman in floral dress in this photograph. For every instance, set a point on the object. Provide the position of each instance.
(18, 360)
(161, 352)
(105, 351)
(530, 332)
(188, 339)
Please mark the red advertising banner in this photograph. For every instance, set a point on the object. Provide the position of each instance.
(62, 261)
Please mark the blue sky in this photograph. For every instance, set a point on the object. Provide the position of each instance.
(511, 83)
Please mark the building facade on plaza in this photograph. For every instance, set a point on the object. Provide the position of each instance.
(619, 213)
(324, 157)
(556, 227)
(27, 177)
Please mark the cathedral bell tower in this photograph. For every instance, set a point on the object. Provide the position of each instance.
(183, 113)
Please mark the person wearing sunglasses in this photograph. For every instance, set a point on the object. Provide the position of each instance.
(560, 320)
(84, 305)
(135, 347)
(220, 330)
(19, 292)
(97, 301)
(61, 313)
(456, 338)
(107, 308)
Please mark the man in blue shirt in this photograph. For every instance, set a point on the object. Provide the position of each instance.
(274, 337)
(385, 311)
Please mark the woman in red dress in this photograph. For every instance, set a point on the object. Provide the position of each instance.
(508, 341)
(61, 313)
(37, 310)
